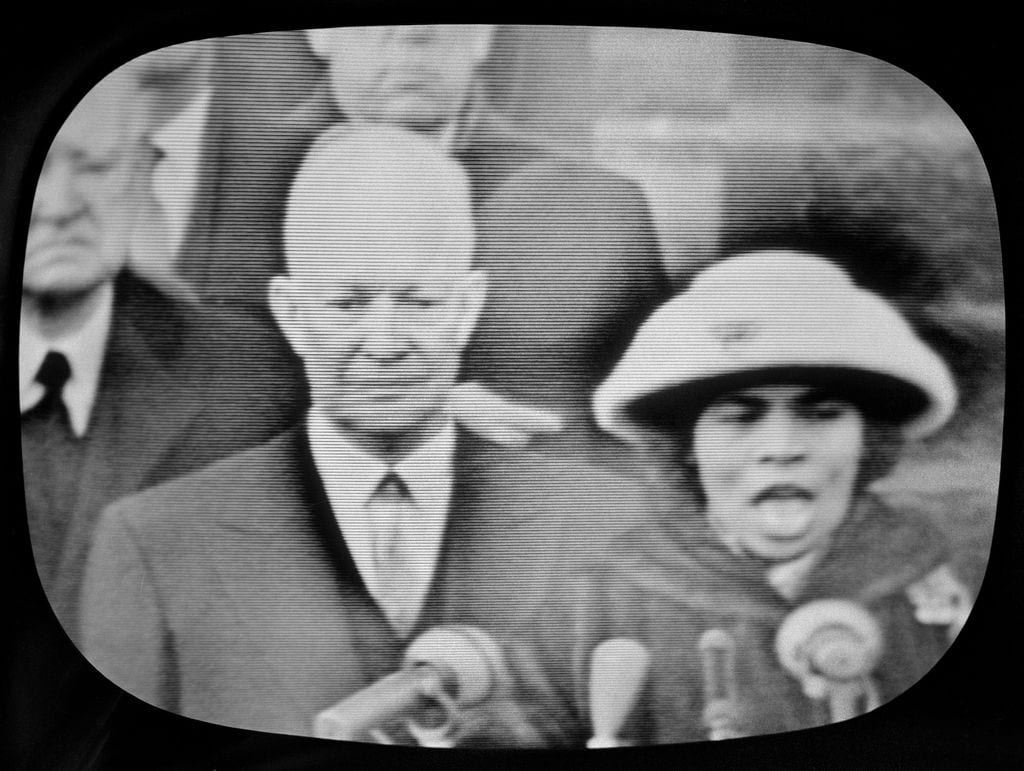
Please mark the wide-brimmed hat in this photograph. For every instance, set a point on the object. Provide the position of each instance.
(774, 316)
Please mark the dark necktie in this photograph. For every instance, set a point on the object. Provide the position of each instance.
(52, 460)
(53, 375)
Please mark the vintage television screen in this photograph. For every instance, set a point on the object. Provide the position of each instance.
(402, 389)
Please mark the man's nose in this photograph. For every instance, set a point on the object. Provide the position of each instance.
(781, 438)
(384, 336)
(57, 195)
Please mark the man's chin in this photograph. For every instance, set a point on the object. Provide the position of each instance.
(59, 280)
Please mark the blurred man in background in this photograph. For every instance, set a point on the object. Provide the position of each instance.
(107, 398)
(102, 396)
(175, 87)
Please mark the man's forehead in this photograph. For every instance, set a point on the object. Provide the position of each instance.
(99, 124)
(343, 40)
(409, 270)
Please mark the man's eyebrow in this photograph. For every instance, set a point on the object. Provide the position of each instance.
(77, 154)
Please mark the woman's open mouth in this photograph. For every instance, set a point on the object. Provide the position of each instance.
(784, 492)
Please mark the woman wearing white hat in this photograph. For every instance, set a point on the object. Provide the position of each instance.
(780, 594)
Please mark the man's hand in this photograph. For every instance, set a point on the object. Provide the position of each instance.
(487, 414)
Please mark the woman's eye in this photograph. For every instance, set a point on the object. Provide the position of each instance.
(740, 415)
(825, 410)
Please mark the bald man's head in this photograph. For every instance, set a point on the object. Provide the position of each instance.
(379, 299)
(367, 192)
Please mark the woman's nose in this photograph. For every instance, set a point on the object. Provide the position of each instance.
(781, 438)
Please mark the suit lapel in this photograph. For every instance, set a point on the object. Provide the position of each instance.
(324, 639)
(140, 411)
(130, 429)
(454, 591)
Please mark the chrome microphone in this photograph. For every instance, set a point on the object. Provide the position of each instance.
(445, 669)
(832, 647)
(618, 670)
(721, 706)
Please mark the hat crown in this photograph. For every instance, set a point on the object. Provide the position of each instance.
(773, 310)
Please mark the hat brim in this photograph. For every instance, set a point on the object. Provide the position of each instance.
(878, 396)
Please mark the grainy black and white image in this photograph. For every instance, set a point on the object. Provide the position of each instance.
(512, 386)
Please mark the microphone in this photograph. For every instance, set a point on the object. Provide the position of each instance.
(445, 669)
(832, 647)
(718, 659)
(618, 669)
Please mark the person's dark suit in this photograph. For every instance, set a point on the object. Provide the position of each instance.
(229, 595)
(162, 408)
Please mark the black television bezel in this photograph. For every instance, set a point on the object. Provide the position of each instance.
(967, 711)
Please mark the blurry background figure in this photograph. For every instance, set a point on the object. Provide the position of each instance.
(98, 345)
(105, 396)
(175, 88)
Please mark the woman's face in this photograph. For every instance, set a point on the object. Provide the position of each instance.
(777, 465)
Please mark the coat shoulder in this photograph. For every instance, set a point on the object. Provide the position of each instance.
(227, 490)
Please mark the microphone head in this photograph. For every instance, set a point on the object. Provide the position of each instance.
(837, 639)
(717, 640)
(469, 659)
(618, 669)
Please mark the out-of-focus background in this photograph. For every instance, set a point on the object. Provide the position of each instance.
(744, 142)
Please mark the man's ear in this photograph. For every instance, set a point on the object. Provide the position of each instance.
(473, 296)
(286, 312)
(321, 42)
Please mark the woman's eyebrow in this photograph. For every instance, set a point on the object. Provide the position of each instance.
(818, 395)
(740, 400)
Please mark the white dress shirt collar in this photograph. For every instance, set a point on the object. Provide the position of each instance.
(84, 347)
(350, 476)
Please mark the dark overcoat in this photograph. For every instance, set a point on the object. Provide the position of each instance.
(229, 595)
(665, 586)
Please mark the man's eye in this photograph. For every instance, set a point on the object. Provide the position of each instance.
(348, 303)
(95, 166)
(419, 301)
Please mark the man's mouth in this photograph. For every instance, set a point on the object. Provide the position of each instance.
(52, 244)
(784, 493)
(382, 387)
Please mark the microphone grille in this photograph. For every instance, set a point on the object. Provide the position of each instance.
(466, 653)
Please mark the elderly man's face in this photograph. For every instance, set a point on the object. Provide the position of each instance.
(412, 76)
(83, 206)
(381, 338)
